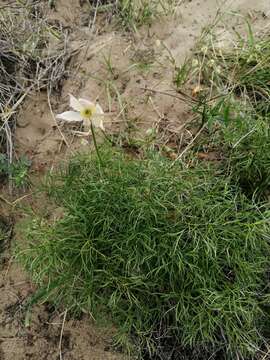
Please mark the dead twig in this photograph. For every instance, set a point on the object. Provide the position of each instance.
(185, 97)
(55, 122)
(13, 203)
(61, 335)
(189, 145)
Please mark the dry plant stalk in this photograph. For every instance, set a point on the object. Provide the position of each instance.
(33, 56)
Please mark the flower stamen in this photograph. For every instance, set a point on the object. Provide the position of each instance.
(87, 112)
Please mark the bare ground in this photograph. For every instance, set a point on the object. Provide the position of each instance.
(132, 90)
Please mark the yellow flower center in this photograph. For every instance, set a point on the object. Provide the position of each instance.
(87, 112)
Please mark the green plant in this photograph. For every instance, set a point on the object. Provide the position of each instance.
(243, 141)
(173, 254)
(183, 73)
(233, 106)
(109, 66)
(249, 154)
(134, 14)
(240, 68)
(17, 171)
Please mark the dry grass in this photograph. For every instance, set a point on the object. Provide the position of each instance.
(33, 56)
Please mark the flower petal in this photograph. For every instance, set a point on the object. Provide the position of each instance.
(97, 121)
(86, 103)
(74, 103)
(86, 124)
(99, 109)
(69, 116)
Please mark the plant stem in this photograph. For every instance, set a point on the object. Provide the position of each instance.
(95, 144)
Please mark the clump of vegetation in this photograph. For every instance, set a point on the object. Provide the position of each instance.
(240, 68)
(17, 172)
(248, 153)
(173, 254)
(233, 97)
(133, 14)
(142, 12)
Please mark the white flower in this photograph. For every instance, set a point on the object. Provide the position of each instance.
(85, 111)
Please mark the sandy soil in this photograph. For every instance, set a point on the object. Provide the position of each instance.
(139, 62)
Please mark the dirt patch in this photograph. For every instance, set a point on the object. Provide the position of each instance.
(131, 76)
(41, 336)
